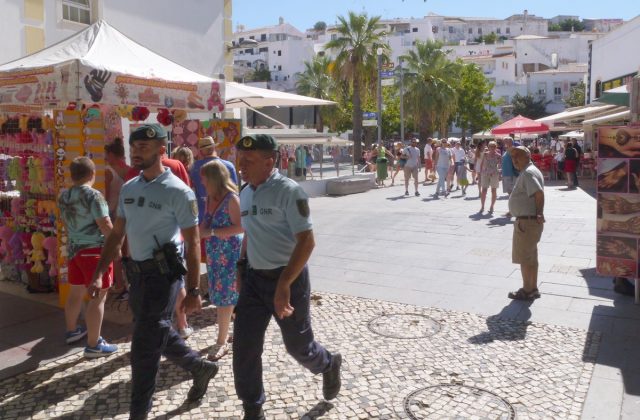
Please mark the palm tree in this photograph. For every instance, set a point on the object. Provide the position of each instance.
(358, 39)
(316, 81)
(431, 81)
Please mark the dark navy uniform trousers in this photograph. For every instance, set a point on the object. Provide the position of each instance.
(253, 313)
(152, 298)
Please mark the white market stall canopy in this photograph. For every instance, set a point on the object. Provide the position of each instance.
(243, 96)
(577, 134)
(102, 65)
(572, 118)
(300, 136)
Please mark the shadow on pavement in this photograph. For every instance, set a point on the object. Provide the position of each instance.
(620, 328)
(502, 326)
(499, 221)
(399, 197)
(319, 410)
(61, 389)
(479, 216)
(114, 399)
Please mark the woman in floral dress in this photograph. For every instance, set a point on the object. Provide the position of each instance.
(221, 229)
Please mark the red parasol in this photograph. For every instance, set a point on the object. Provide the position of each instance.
(520, 124)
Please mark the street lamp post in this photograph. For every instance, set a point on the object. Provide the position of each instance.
(401, 103)
(379, 51)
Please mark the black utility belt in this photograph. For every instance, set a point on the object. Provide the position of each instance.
(526, 217)
(273, 273)
(146, 266)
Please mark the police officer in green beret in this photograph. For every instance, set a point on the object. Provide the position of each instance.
(155, 211)
(273, 275)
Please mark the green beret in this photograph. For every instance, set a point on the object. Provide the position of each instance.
(257, 142)
(148, 132)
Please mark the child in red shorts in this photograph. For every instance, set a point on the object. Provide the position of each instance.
(86, 216)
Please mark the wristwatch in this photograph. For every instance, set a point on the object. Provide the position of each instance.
(194, 291)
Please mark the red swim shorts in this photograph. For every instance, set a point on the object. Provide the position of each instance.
(83, 265)
(428, 164)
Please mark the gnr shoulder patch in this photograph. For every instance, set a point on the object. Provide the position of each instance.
(194, 207)
(303, 207)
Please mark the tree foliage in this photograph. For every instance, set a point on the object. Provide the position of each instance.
(474, 100)
(576, 95)
(316, 81)
(567, 25)
(431, 82)
(259, 75)
(490, 38)
(528, 106)
(320, 26)
(358, 39)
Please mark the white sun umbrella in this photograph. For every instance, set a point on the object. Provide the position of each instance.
(239, 95)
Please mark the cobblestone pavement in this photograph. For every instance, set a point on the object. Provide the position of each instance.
(400, 361)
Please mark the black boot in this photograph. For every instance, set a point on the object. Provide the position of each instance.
(201, 378)
(331, 382)
(253, 412)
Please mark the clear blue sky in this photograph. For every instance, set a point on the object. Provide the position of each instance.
(304, 13)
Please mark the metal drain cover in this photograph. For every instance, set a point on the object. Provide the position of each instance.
(456, 401)
(405, 326)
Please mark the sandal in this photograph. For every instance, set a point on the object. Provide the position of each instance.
(217, 352)
(522, 294)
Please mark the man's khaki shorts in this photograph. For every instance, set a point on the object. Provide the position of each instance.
(410, 171)
(526, 235)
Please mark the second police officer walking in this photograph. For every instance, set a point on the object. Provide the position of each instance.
(155, 210)
(273, 276)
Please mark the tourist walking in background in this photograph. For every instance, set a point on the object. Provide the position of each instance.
(471, 158)
(508, 171)
(490, 175)
(335, 156)
(479, 154)
(429, 174)
(571, 165)
(114, 178)
(401, 160)
(460, 160)
(85, 214)
(308, 160)
(382, 156)
(526, 204)
(443, 158)
(220, 227)
(411, 166)
(185, 156)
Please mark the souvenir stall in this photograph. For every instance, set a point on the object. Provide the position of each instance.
(66, 101)
(226, 133)
(618, 186)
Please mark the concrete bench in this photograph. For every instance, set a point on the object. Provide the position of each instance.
(350, 184)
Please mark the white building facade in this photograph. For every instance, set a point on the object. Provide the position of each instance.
(553, 86)
(282, 49)
(194, 37)
(614, 59)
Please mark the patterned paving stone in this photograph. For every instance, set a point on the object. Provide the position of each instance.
(539, 371)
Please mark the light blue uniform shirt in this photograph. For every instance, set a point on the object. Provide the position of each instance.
(272, 215)
(160, 207)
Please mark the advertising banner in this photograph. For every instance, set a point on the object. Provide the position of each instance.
(618, 187)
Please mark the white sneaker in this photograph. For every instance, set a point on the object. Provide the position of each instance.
(185, 332)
